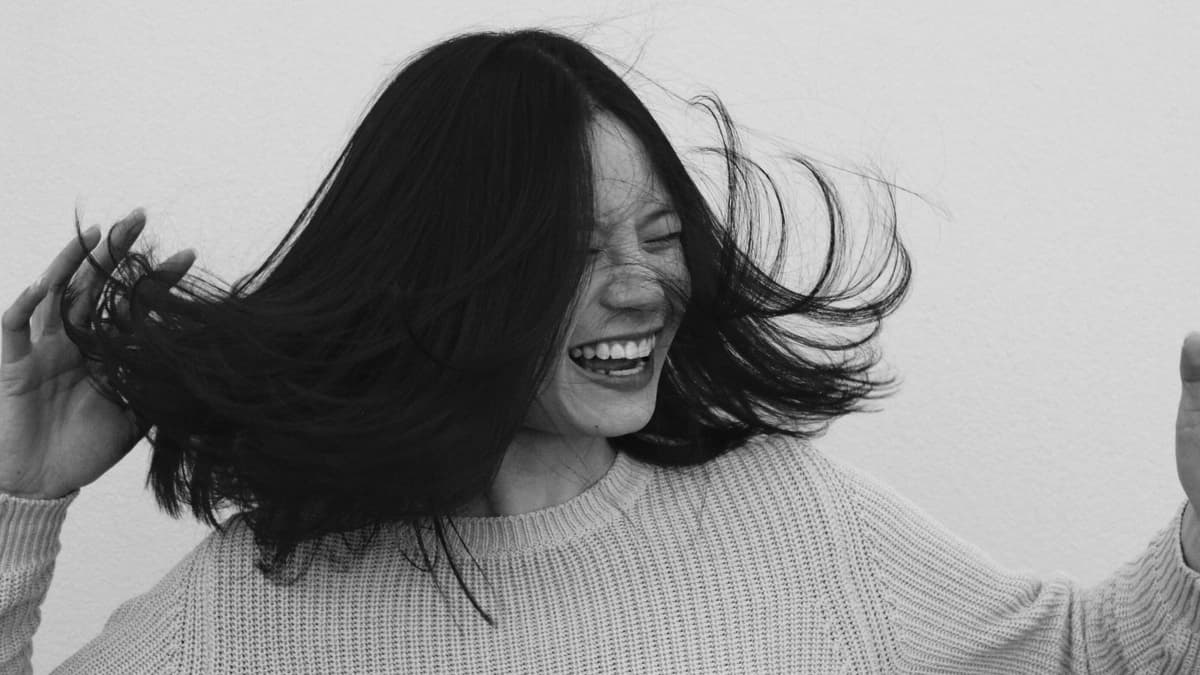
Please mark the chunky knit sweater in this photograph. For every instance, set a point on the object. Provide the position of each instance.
(774, 558)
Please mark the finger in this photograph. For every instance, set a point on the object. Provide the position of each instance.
(1187, 425)
(88, 280)
(1189, 371)
(15, 328)
(15, 343)
(176, 266)
(170, 272)
(47, 318)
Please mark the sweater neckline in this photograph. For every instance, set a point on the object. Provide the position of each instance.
(611, 496)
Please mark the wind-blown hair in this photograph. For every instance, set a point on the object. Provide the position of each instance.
(374, 369)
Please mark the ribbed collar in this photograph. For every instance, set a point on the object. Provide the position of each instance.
(606, 499)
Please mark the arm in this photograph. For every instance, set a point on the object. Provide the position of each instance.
(146, 634)
(949, 608)
(29, 532)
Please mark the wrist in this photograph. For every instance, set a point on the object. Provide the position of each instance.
(1191, 537)
(30, 494)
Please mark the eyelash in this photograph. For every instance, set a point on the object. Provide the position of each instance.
(673, 235)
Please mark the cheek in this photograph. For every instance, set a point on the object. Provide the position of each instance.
(685, 280)
(562, 383)
(681, 267)
(676, 278)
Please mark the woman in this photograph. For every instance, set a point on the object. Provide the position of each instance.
(509, 329)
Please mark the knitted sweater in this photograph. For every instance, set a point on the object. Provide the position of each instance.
(774, 558)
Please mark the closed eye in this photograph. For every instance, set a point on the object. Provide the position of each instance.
(673, 235)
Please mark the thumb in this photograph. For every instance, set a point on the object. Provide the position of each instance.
(1187, 422)
(1189, 373)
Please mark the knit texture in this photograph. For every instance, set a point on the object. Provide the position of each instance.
(774, 558)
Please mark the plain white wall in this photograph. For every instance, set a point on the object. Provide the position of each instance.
(1056, 255)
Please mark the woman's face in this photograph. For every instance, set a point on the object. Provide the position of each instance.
(621, 303)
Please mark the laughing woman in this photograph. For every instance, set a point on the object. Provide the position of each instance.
(510, 396)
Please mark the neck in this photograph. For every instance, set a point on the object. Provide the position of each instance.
(541, 470)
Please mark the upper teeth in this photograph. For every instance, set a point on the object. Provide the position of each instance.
(616, 350)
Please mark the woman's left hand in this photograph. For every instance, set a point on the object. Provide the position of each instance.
(1187, 444)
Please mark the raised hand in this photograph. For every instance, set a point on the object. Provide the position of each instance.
(57, 432)
(1187, 444)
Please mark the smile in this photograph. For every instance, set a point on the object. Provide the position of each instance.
(627, 378)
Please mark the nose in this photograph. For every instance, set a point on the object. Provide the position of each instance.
(632, 286)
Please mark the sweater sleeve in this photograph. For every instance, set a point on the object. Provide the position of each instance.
(29, 532)
(144, 635)
(951, 608)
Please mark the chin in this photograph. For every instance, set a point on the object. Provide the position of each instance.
(618, 422)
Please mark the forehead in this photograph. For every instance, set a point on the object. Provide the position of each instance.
(626, 184)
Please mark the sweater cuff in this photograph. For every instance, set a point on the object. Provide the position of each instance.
(1175, 585)
(29, 528)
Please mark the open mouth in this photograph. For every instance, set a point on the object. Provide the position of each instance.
(615, 367)
(606, 358)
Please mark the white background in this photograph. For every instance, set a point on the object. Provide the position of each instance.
(1056, 250)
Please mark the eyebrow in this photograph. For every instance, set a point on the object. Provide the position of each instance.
(646, 219)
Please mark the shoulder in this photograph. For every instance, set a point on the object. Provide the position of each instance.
(775, 476)
(158, 630)
(230, 548)
(793, 510)
(799, 480)
(777, 461)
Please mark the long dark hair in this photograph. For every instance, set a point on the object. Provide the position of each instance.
(374, 369)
